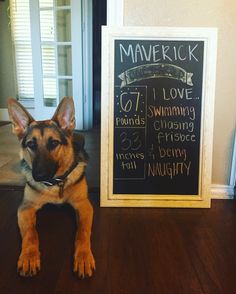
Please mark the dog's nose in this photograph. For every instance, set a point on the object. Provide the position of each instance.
(43, 169)
(41, 176)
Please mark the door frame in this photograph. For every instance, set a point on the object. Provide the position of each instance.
(115, 12)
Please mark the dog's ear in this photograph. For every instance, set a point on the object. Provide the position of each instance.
(19, 116)
(65, 114)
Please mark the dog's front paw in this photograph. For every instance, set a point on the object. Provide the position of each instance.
(84, 263)
(29, 263)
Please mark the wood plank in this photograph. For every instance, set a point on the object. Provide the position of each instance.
(136, 250)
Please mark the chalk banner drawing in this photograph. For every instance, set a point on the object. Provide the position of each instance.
(161, 70)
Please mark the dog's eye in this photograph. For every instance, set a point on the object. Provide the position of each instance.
(31, 145)
(52, 144)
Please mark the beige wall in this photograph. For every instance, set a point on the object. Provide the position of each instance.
(7, 84)
(202, 13)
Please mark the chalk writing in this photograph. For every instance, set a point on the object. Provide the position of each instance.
(157, 52)
(163, 111)
(157, 116)
(170, 169)
(130, 125)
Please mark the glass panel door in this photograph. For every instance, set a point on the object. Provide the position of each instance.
(59, 48)
(55, 28)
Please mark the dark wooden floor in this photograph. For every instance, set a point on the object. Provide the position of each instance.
(136, 250)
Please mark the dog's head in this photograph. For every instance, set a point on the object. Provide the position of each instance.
(47, 146)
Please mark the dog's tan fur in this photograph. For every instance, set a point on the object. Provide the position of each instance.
(74, 190)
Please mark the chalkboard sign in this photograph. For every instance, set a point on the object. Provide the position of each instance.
(157, 116)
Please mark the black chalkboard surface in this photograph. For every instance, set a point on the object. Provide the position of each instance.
(157, 110)
(157, 116)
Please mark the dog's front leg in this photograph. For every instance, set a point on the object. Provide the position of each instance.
(29, 260)
(84, 263)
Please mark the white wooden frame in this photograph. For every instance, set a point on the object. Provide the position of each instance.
(209, 36)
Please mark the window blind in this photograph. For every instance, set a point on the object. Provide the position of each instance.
(21, 34)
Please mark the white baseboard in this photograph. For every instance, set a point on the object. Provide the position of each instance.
(232, 180)
(4, 114)
(222, 192)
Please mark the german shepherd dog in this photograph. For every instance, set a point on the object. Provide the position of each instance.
(53, 161)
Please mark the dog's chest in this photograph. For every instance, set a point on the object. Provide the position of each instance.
(53, 195)
(49, 195)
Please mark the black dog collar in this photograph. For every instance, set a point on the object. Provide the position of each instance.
(60, 181)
